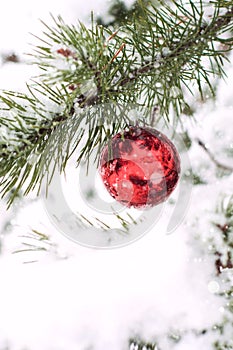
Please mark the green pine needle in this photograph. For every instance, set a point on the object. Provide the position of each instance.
(151, 60)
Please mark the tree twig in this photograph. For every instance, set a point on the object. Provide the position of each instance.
(212, 157)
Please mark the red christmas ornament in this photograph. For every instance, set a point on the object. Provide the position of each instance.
(140, 167)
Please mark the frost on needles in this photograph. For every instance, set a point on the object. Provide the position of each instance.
(153, 60)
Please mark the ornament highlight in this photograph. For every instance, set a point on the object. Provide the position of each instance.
(140, 167)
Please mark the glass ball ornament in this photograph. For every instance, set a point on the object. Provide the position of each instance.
(140, 167)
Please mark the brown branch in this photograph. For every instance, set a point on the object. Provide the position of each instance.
(212, 157)
(220, 266)
(204, 33)
(12, 57)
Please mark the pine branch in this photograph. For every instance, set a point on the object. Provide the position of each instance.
(153, 66)
(197, 39)
(204, 32)
(148, 62)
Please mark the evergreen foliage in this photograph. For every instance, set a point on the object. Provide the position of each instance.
(151, 61)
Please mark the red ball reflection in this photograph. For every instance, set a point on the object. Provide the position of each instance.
(140, 167)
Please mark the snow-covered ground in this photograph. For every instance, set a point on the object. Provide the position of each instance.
(80, 298)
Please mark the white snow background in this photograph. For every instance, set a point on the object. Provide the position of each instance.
(79, 298)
